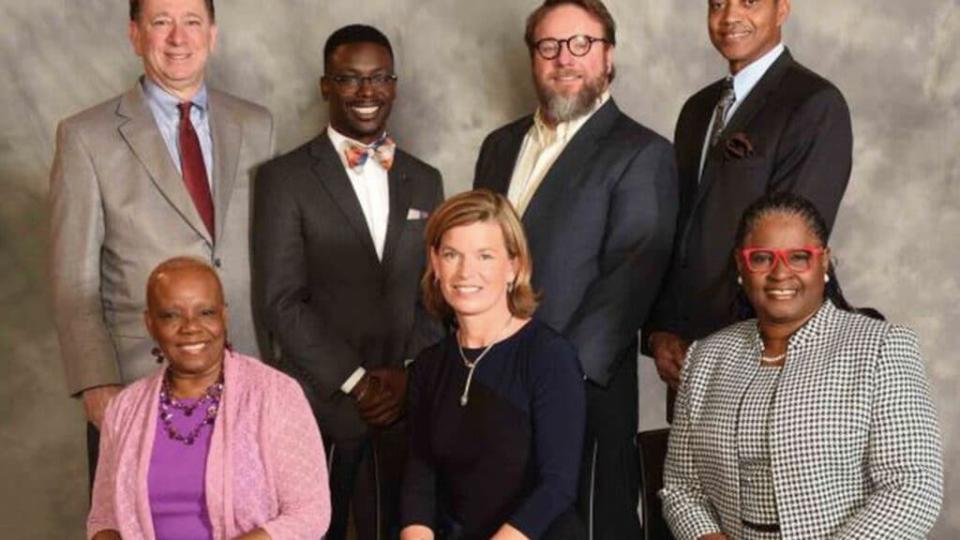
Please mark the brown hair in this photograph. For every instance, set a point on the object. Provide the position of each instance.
(478, 206)
(593, 7)
(135, 10)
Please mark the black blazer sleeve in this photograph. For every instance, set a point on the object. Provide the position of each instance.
(280, 276)
(814, 157)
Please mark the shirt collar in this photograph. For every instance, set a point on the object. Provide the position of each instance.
(338, 138)
(748, 77)
(167, 102)
(823, 319)
(546, 135)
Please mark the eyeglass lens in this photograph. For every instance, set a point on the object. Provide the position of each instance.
(578, 45)
(764, 259)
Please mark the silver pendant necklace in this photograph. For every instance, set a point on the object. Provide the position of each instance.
(473, 365)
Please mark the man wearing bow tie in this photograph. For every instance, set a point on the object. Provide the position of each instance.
(338, 254)
(771, 125)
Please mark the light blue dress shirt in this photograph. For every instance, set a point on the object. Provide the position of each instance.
(167, 116)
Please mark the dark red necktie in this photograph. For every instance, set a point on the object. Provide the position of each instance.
(194, 171)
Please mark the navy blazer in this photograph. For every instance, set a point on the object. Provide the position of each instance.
(600, 228)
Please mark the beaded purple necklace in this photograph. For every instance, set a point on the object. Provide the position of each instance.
(210, 401)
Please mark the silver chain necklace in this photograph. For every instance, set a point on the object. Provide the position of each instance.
(473, 365)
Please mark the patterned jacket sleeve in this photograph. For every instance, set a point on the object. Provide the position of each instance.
(904, 463)
(686, 509)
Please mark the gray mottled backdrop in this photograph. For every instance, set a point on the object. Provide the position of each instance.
(463, 71)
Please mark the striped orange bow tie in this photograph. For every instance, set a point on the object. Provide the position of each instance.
(381, 151)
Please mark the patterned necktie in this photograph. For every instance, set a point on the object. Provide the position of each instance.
(194, 171)
(727, 98)
(381, 151)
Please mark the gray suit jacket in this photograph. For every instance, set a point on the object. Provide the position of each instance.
(854, 442)
(119, 207)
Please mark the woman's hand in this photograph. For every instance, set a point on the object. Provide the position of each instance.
(416, 532)
(509, 532)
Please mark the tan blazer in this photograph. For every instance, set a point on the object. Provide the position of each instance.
(119, 207)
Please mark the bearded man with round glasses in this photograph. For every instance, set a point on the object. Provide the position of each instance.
(597, 193)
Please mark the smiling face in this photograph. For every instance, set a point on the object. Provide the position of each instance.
(783, 296)
(187, 318)
(744, 30)
(174, 38)
(568, 85)
(359, 113)
(473, 268)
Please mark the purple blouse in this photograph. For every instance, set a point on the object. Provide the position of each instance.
(175, 481)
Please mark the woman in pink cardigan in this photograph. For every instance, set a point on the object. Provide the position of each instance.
(216, 445)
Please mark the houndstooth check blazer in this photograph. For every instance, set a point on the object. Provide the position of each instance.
(855, 445)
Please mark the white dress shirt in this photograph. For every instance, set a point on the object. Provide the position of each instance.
(541, 147)
(373, 193)
(371, 187)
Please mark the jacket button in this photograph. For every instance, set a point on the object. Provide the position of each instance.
(216, 262)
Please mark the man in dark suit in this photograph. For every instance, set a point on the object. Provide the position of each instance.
(773, 125)
(598, 198)
(338, 243)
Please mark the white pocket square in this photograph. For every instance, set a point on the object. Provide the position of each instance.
(416, 213)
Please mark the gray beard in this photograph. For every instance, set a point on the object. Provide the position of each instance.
(564, 108)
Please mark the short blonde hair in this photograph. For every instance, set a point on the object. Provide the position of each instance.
(480, 206)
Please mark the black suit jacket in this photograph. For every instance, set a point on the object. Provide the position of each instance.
(600, 228)
(328, 302)
(799, 127)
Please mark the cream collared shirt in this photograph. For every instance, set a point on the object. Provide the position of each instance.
(541, 147)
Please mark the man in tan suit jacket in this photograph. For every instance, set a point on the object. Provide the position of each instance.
(119, 205)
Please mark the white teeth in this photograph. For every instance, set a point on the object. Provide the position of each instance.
(195, 348)
(366, 111)
(467, 289)
(782, 293)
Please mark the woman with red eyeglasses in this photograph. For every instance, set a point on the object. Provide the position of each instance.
(813, 420)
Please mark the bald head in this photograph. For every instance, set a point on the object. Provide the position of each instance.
(167, 273)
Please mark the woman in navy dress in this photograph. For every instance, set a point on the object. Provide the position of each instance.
(497, 409)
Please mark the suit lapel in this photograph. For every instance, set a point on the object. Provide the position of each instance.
(333, 178)
(758, 97)
(139, 130)
(227, 139)
(570, 164)
(499, 180)
(399, 205)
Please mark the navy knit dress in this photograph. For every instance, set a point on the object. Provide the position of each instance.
(512, 453)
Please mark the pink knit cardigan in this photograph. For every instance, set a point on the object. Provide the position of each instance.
(266, 466)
